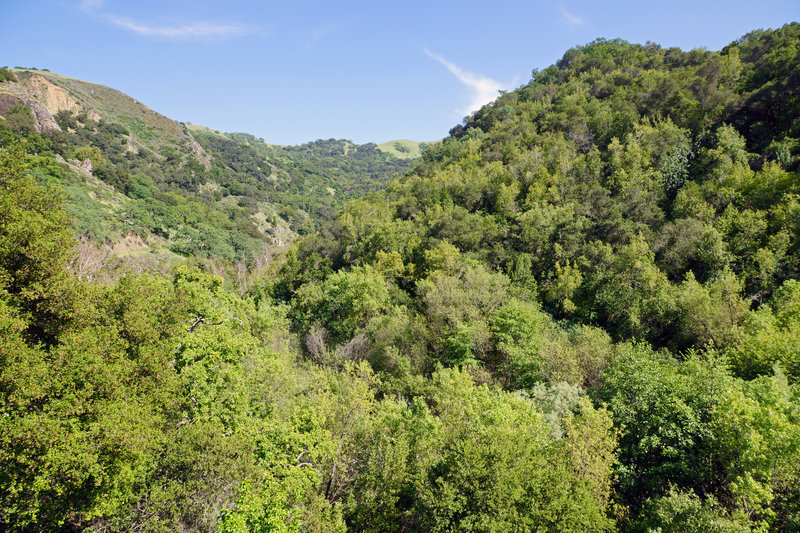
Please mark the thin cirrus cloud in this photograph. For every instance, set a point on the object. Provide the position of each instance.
(571, 19)
(482, 89)
(197, 30)
(89, 5)
(193, 30)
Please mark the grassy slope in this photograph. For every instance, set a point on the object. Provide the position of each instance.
(196, 128)
(402, 148)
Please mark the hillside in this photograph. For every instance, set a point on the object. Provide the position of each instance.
(625, 223)
(311, 180)
(49, 94)
(402, 148)
(176, 190)
(580, 311)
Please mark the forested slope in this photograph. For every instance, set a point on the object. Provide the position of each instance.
(143, 192)
(309, 183)
(578, 312)
(625, 223)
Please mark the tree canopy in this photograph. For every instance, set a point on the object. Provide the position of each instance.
(578, 312)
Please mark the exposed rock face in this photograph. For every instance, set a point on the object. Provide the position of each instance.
(44, 118)
(44, 98)
(54, 98)
(86, 165)
(198, 152)
(7, 101)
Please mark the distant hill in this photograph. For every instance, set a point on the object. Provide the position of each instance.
(196, 128)
(132, 175)
(402, 148)
(315, 178)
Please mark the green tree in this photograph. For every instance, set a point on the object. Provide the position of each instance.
(93, 154)
(770, 336)
(35, 248)
(475, 459)
(343, 304)
(7, 75)
(691, 426)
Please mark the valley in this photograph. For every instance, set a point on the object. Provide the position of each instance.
(578, 311)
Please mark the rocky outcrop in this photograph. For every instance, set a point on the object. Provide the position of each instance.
(7, 101)
(54, 98)
(44, 98)
(44, 118)
(199, 154)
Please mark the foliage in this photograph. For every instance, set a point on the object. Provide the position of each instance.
(685, 512)
(692, 426)
(7, 75)
(91, 153)
(579, 312)
(20, 120)
(475, 461)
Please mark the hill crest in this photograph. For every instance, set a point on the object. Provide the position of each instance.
(47, 94)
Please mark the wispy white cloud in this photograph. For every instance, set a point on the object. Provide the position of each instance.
(190, 30)
(572, 20)
(91, 5)
(195, 30)
(483, 90)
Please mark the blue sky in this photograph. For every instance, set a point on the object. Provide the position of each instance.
(301, 70)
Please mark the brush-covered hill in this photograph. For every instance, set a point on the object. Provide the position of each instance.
(48, 94)
(311, 180)
(579, 312)
(145, 188)
(627, 223)
(614, 178)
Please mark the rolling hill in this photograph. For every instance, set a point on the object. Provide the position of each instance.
(578, 312)
(129, 171)
(402, 148)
